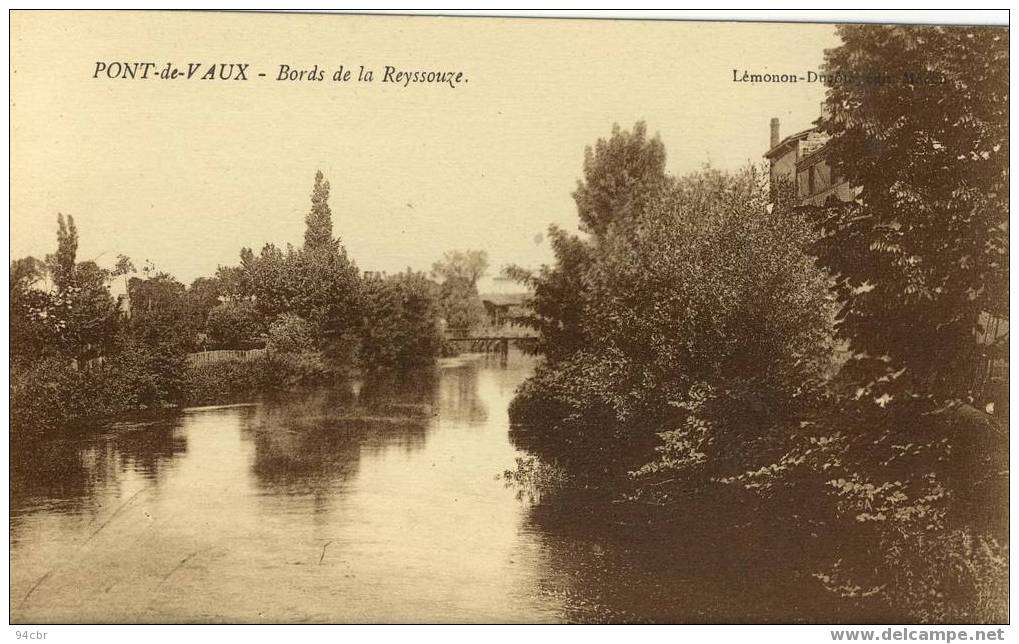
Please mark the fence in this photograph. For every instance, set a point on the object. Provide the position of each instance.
(210, 357)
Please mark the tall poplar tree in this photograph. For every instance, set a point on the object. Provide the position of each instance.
(319, 231)
(61, 263)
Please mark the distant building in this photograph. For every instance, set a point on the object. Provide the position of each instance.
(801, 161)
(505, 308)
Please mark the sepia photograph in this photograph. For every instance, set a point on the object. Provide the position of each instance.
(354, 318)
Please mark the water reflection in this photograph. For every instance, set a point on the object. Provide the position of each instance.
(722, 559)
(70, 470)
(459, 398)
(310, 442)
(374, 500)
(366, 501)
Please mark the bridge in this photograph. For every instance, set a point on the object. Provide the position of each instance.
(498, 344)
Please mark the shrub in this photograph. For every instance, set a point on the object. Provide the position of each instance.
(234, 325)
(400, 322)
(916, 565)
(145, 376)
(39, 395)
(902, 492)
(290, 333)
(52, 393)
(532, 478)
(236, 379)
(705, 322)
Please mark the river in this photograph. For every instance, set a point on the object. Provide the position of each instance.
(374, 501)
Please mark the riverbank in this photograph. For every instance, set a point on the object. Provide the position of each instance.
(52, 393)
(901, 521)
(347, 502)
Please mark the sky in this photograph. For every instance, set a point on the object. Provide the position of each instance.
(183, 173)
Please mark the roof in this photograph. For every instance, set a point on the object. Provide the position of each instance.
(504, 299)
(788, 141)
(813, 151)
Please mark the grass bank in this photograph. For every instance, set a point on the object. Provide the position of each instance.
(51, 393)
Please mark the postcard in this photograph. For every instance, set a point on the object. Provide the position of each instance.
(342, 319)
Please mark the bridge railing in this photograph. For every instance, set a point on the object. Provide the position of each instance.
(210, 357)
(492, 333)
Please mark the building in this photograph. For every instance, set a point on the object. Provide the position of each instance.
(800, 161)
(506, 308)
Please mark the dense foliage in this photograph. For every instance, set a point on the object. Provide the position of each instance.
(695, 321)
(558, 295)
(290, 333)
(695, 339)
(400, 321)
(459, 304)
(78, 353)
(240, 380)
(234, 325)
(622, 175)
(920, 263)
(52, 392)
(159, 311)
(76, 317)
(924, 251)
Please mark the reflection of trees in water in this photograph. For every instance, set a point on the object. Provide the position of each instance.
(707, 562)
(588, 570)
(459, 399)
(72, 467)
(405, 399)
(148, 449)
(308, 442)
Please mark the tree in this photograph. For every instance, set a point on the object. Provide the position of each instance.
(558, 295)
(290, 333)
(32, 331)
(690, 317)
(621, 176)
(235, 325)
(467, 266)
(381, 324)
(61, 264)
(320, 286)
(458, 273)
(400, 322)
(159, 311)
(78, 318)
(82, 313)
(925, 250)
(233, 279)
(317, 282)
(27, 271)
(204, 294)
(124, 266)
(460, 305)
(420, 341)
(87, 314)
(702, 324)
(318, 233)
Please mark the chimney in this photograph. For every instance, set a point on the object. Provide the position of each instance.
(774, 132)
